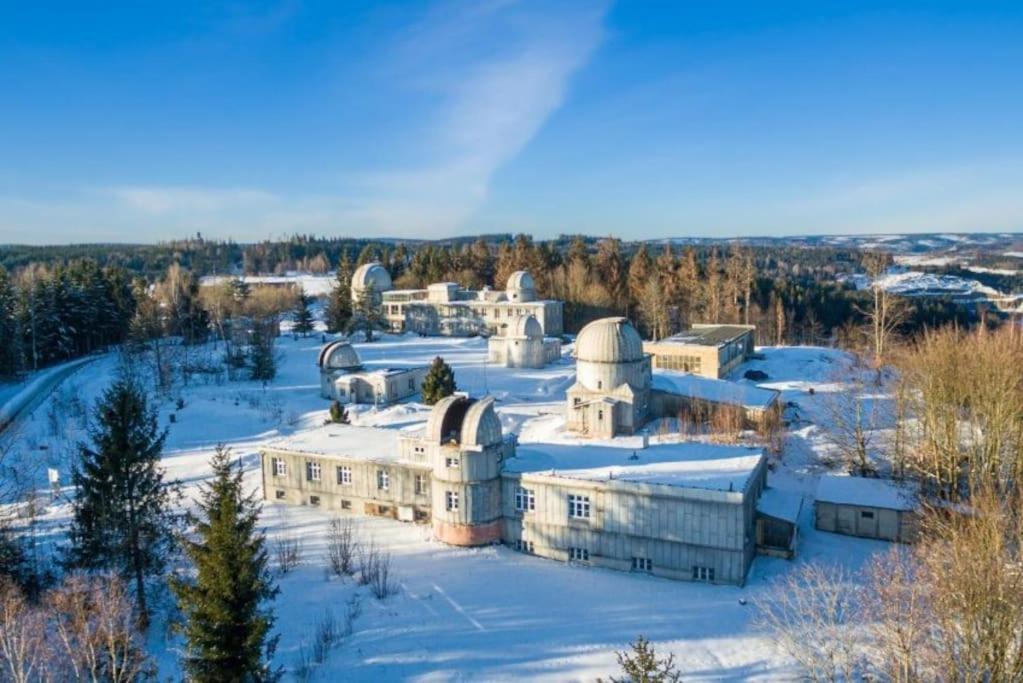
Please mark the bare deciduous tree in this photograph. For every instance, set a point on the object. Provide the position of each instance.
(22, 637)
(809, 612)
(342, 546)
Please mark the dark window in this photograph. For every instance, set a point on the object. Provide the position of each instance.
(314, 500)
(280, 494)
(866, 514)
(346, 505)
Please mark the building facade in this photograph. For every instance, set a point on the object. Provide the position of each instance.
(611, 394)
(520, 343)
(343, 378)
(446, 309)
(869, 508)
(708, 350)
(462, 475)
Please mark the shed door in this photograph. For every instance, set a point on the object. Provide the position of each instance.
(866, 522)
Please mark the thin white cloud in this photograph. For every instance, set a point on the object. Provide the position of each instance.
(156, 200)
(499, 70)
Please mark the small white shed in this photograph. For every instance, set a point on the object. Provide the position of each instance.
(869, 508)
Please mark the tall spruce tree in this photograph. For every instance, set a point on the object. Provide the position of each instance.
(339, 304)
(227, 618)
(439, 382)
(367, 315)
(262, 361)
(121, 514)
(10, 329)
(303, 314)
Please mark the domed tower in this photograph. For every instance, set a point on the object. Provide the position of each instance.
(467, 450)
(370, 276)
(613, 377)
(524, 343)
(521, 287)
(336, 358)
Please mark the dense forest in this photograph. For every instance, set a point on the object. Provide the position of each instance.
(58, 303)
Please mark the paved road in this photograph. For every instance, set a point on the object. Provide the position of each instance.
(37, 390)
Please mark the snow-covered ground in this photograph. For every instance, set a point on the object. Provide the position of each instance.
(480, 614)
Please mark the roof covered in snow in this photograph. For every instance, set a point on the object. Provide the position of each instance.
(366, 443)
(713, 390)
(686, 465)
(780, 504)
(861, 491)
(707, 335)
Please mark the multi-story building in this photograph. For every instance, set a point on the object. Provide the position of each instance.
(446, 309)
(682, 510)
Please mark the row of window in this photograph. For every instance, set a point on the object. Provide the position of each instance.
(684, 363)
(639, 564)
(314, 472)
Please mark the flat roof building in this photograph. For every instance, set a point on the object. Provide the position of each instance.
(677, 510)
(870, 508)
(707, 350)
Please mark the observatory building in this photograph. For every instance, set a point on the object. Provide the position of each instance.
(679, 510)
(345, 380)
(616, 392)
(611, 394)
(520, 343)
(446, 309)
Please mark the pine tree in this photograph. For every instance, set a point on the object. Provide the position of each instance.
(367, 315)
(228, 620)
(10, 330)
(303, 314)
(639, 275)
(262, 362)
(439, 382)
(121, 516)
(339, 304)
(643, 666)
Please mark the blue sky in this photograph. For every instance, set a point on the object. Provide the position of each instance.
(147, 121)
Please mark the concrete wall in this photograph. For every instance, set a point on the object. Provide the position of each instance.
(866, 521)
(677, 529)
(362, 496)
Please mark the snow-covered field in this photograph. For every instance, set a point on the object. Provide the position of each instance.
(481, 614)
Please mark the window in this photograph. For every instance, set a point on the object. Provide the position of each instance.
(419, 449)
(346, 505)
(578, 554)
(579, 507)
(411, 384)
(383, 480)
(451, 500)
(642, 564)
(280, 467)
(866, 514)
(600, 414)
(451, 462)
(525, 500)
(576, 401)
(314, 500)
(280, 494)
(344, 475)
(420, 484)
(703, 573)
(524, 546)
(312, 471)
(600, 384)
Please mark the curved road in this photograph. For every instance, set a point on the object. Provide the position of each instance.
(37, 390)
